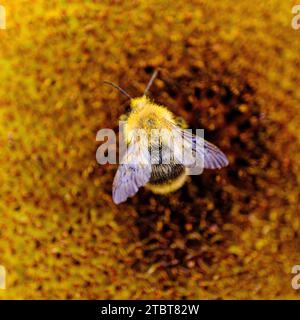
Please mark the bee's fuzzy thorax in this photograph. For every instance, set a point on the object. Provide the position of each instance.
(147, 115)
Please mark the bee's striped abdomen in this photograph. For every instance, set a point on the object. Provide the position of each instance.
(161, 173)
(166, 178)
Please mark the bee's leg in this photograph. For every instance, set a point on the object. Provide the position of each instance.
(123, 117)
(181, 122)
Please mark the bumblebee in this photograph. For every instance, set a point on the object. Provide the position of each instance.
(145, 163)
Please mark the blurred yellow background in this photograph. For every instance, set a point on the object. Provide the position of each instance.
(230, 67)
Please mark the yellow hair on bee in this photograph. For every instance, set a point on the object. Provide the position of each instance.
(147, 115)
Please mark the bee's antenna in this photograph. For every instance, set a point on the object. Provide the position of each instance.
(117, 87)
(151, 81)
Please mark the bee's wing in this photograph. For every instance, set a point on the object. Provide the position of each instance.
(133, 174)
(214, 158)
(207, 155)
